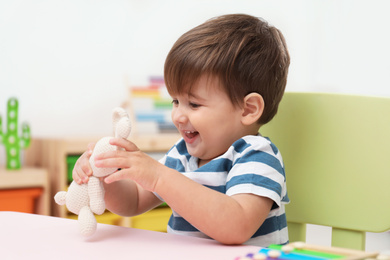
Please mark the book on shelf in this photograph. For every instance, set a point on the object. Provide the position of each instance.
(151, 106)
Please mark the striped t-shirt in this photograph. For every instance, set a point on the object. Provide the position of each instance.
(252, 165)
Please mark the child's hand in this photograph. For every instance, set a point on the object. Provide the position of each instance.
(82, 169)
(133, 163)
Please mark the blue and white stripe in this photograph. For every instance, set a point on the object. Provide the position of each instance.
(251, 165)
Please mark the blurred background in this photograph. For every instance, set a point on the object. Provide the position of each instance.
(70, 62)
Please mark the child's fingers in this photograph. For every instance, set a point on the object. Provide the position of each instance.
(90, 148)
(82, 169)
(84, 162)
(113, 159)
(124, 143)
(116, 176)
(79, 176)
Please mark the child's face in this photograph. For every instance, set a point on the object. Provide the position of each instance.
(207, 120)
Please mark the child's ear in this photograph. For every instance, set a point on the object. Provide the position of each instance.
(253, 108)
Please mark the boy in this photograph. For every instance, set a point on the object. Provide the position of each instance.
(222, 180)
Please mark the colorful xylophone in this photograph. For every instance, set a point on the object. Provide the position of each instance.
(302, 251)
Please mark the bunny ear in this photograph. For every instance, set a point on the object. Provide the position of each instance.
(121, 122)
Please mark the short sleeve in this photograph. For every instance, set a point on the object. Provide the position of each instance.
(258, 170)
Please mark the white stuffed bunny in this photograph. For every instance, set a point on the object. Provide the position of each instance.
(86, 199)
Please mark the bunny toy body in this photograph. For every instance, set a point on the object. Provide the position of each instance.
(85, 200)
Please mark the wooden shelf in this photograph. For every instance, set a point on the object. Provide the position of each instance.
(28, 177)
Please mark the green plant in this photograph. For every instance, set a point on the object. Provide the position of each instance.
(12, 142)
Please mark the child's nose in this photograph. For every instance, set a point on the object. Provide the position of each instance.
(178, 116)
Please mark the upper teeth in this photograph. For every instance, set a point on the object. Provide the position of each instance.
(189, 132)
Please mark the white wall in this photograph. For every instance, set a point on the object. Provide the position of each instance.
(66, 61)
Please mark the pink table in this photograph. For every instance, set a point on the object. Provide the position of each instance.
(29, 236)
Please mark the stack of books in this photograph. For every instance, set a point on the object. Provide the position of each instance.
(151, 106)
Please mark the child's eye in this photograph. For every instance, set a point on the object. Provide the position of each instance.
(194, 105)
(175, 102)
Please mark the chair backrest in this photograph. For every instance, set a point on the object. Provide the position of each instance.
(336, 150)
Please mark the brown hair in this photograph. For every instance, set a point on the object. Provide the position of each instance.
(245, 53)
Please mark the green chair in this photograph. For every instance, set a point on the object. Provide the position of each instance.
(336, 150)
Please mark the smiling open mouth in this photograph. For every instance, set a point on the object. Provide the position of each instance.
(190, 134)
